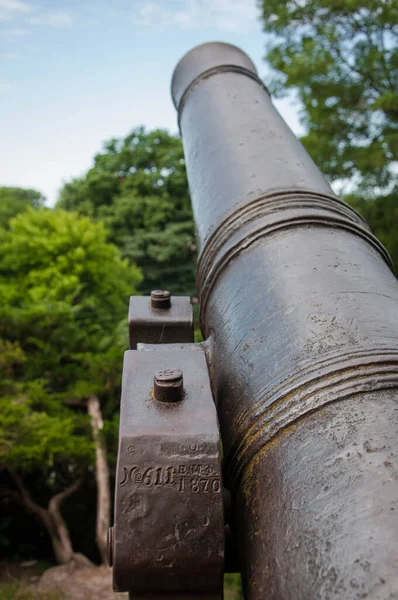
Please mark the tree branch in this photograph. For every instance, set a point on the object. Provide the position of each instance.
(55, 502)
(27, 501)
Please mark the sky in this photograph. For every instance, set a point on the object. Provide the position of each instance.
(74, 73)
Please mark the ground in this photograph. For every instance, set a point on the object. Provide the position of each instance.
(24, 581)
(27, 581)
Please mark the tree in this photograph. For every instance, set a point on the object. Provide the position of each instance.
(15, 200)
(138, 188)
(34, 439)
(64, 292)
(382, 215)
(341, 58)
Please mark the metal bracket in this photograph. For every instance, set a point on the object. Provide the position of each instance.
(168, 535)
(160, 319)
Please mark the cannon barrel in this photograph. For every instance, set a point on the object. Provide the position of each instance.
(300, 303)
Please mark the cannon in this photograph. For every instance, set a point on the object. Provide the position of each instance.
(299, 310)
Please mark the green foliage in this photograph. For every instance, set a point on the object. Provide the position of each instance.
(341, 58)
(233, 586)
(138, 188)
(16, 200)
(16, 591)
(382, 215)
(65, 291)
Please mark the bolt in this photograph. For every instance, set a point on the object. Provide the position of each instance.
(168, 385)
(110, 539)
(160, 299)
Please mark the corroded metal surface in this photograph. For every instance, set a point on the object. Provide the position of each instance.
(302, 307)
(168, 537)
(160, 319)
(331, 490)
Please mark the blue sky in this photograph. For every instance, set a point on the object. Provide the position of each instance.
(74, 73)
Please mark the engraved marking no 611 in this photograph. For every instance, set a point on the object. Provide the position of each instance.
(174, 476)
(150, 476)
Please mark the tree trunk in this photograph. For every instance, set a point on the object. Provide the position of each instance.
(102, 477)
(61, 540)
(50, 518)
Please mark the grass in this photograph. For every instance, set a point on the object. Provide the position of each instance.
(15, 591)
(232, 587)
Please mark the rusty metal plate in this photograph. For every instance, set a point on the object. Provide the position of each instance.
(160, 325)
(169, 524)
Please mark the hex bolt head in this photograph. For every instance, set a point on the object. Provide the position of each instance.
(168, 385)
(110, 538)
(160, 299)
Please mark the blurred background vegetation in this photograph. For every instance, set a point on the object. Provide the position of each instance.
(126, 227)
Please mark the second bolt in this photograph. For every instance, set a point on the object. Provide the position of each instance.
(160, 299)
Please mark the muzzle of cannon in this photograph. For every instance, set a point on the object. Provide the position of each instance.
(299, 309)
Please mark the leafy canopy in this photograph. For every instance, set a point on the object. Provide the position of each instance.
(341, 58)
(64, 292)
(14, 200)
(138, 188)
(382, 215)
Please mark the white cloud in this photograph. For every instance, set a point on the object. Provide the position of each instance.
(4, 85)
(14, 5)
(225, 15)
(59, 19)
(9, 8)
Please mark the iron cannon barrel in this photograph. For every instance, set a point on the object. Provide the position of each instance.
(301, 304)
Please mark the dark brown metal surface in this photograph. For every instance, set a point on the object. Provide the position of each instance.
(159, 319)
(168, 537)
(302, 307)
